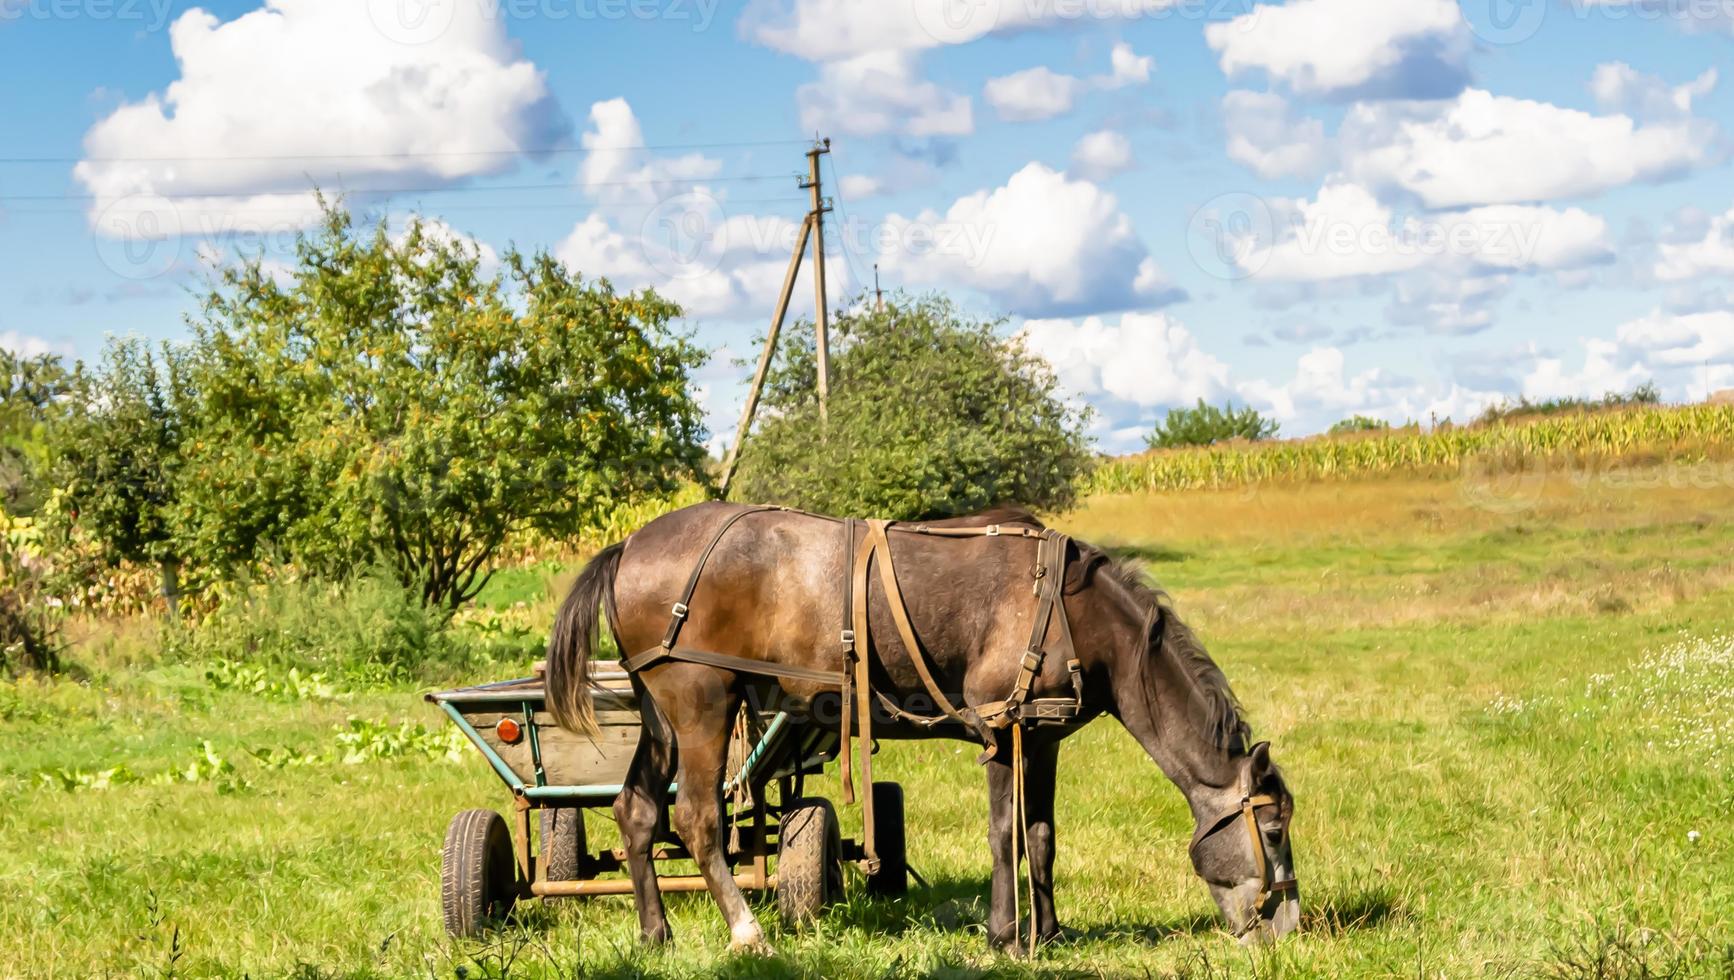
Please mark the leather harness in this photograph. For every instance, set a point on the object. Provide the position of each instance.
(852, 680)
(1246, 812)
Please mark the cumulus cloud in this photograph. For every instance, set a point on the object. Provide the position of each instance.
(1618, 87)
(1691, 353)
(1043, 244)
(1041, 93)
(1271, 139)
(828, 30)
(25, 345)
(617, 167)
(1101, 154)
(1482, 148)
(1349, 48)
(1032, 94)
(1710, 253)
(302, 86)
(881, 92)
(1144, 359)
(1345, 232)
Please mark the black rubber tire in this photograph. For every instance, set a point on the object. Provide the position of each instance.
(478, 875)
(809, 860)
(889, 841)
(563, 844)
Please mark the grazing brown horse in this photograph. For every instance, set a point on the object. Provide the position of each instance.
(772, 592)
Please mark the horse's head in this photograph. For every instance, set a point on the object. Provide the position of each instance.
(1241, 850)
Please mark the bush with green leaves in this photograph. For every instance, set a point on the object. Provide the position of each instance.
(391, 401)
(1358, 423)
(1204, 425)
(33, 396)
(28, 615)
(118, 458)
(931, 413)
(359, 628)
(1646, 394)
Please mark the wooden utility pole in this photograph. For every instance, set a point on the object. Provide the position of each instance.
(812, 227)
(821, 316)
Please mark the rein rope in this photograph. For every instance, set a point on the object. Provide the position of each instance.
(1017, 709)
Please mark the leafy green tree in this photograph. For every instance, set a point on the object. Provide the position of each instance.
(33, 394)
(118, 457)
(391, 400)
(1206, 424)
(931, 413)
(1358, 423)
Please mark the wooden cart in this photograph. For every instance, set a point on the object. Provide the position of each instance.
(791, 844)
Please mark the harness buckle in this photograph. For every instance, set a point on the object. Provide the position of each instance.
(993, 530)
(680, 610)
(1032, 661)
(848, 638)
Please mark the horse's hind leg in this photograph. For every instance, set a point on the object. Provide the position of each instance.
(1040, 765)
(703, 714)
(638, 810)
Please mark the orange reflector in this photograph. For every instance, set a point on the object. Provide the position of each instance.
(509, 731)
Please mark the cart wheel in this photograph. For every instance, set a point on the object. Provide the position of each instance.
(478, 877)
(888, 841)
(809, 860)
(563, 844)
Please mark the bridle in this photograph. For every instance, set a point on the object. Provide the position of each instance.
(1246, 812)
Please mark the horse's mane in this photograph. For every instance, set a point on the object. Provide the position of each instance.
(1225, 722)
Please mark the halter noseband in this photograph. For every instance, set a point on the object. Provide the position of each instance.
(1246, 811)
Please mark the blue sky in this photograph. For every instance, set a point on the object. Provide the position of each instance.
(1405, 208)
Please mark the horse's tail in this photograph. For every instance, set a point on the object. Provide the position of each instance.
(571, 641)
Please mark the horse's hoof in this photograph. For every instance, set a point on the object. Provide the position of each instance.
(656, 937)
(748, 938)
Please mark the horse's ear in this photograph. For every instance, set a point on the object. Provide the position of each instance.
(1258, 762)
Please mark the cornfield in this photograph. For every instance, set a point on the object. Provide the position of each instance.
(1695, 432)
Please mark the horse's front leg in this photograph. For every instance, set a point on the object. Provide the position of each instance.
(1041, 763)
(1002, 924)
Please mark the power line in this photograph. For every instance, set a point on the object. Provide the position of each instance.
(465, 189)
(405, 154)
(444, 209)
(843, 232)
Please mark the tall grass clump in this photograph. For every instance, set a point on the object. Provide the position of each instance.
(1690, 432)
(366, 624)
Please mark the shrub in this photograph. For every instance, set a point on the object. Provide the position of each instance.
(32, 399)
(932, 413)
(1358, 423)
(358, 627)
(27, 614)
(1643, 395)
(1205, 425)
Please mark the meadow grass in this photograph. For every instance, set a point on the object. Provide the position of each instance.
(1507, 725)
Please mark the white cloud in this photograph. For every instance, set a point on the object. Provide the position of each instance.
(1145, 359)
(1412, 48)
(1042, 244)
(1691, 352)
(302, 86)
(828, 30)
(1265, 135)
(880, 92)
(437, 230)
(1346, 232)
(1101, 154)
(1711, 254)
(1688, 340)
(1482, 148)
(857, 186)
(617, 167)
(25, 345)
(1031, 94)
(1126, 67)
(1041, 93)
(1618, 87)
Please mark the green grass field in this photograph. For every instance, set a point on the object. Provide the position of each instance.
(1508, 722)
